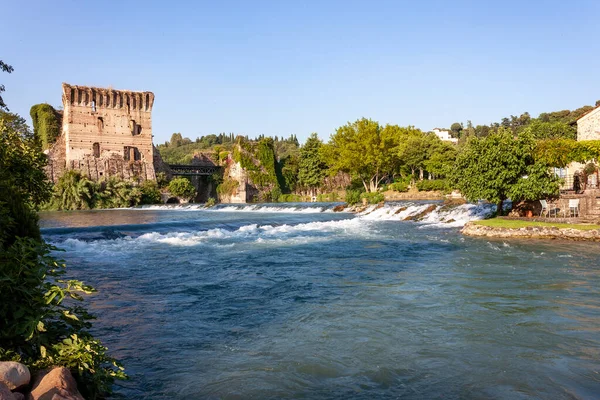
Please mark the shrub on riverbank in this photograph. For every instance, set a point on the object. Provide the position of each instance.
(427, 185)
(74, 191)
(182, 187)
(373, 198)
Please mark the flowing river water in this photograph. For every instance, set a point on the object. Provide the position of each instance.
(296, 301)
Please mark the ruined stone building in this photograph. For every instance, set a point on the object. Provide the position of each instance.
(105, 132)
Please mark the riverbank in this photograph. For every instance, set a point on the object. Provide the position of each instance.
(505, 228)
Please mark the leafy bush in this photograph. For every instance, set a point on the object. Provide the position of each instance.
(161, 180)
(182, 187)
(150, 193)
(353, 196)
(210, 202)
(373, 197)
(433, 184)
(289, 198)
(227, 187)
(327, 197)
(399, 186)
(42, 329)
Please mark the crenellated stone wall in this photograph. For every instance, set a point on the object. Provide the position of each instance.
(105, 132)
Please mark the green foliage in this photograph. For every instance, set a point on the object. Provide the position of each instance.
(353, 196)
(363, 149)
(74, 191)
(42, 319)
(590, 168)
(551, 130)
(46, 124)
(44, 329)
(275, 194)
(433, 184)
(258, 159)
(161, 180)
(373, 197)
(561, 152)
(150, 193)
(5, 68)
(227, 187)
(210, 202)
(500, 167)
(289, 198)
(311, 168)
(398, 186)
(327, 197)
(182, 187)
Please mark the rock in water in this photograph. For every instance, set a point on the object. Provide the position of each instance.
(58, 382)
(14, 374)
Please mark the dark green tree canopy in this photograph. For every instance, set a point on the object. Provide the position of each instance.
(501, 167)
(47, 124)
(312, 169)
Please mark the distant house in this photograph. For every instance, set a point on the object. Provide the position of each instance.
(444, 135)
(588, 126)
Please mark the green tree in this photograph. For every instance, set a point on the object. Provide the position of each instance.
(312, 168)
(182, 187)
(501, 167)
(414, 151)
(456, 129)
(9, 69)
(551, 130)
(364, 150)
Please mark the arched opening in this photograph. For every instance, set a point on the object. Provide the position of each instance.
(100, 124)
(96, 148)
(173, 200)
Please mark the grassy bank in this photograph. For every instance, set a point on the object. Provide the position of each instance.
(516, 224)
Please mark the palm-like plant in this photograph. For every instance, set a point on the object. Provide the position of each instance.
(74, 192)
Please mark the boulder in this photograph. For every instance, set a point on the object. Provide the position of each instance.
(14, 374)
(5, 393)
(340, 208)
(57, 384)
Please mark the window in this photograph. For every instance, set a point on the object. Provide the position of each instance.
(100, 124)
(93, 106)
(96, 147)
(560, 172)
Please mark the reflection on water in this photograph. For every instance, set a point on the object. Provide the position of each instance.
(328, 306)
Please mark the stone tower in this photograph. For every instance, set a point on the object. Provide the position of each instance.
(105, 132)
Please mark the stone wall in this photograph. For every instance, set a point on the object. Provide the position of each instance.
(537, 232)
(105, 132)
(588, 126)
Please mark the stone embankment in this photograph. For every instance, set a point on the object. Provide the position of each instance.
(537, 232)
(56, 383)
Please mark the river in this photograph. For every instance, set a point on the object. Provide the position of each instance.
(296, 301)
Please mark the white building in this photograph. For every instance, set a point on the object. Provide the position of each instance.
(444, 135)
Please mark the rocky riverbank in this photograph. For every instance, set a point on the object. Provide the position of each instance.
(537, 232)
(16, 383)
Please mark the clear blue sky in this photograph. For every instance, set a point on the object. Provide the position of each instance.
(283, 67)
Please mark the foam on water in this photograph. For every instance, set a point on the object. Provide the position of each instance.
(305, 208)
(441, 216)
(252, 233)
